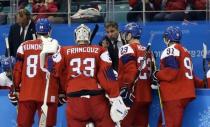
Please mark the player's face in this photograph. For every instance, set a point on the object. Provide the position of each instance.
(112, 33)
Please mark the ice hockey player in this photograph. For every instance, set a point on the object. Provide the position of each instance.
(30, 80)
(90, 76)
(175, 77)
(131, 57)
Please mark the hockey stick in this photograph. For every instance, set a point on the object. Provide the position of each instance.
(48, 46)
(8, 54)
(10, 65)
(93, 34)
(204, 64)
(44, 108)
(159, 95)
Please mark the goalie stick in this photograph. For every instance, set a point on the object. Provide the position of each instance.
(204, 65)
(49, 46)
(44, 108)
(93, 34)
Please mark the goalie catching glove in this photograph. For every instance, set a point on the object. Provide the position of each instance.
(118, 109)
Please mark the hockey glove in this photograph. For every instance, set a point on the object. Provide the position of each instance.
(127, 96)
(61, 99)
(13, 97)
(118, 109)
(155, 82)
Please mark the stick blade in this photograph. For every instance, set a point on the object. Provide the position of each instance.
(43, 118)
(204, 51)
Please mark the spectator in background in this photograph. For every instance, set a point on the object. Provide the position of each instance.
(136, 14)
(177, 8)
(62, 8)
(197, 5)
(112, 41)
(22, 30)
(25, 4)
(3, 16)
(44, 7)
(22, 4)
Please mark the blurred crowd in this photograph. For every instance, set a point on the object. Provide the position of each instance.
(168, 10)
(156, 10)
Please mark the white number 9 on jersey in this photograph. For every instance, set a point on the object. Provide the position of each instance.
(188, 66)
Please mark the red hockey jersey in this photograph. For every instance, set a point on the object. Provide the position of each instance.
(29, 77)
(88, 67)
(208, 78)
(130, 57)
(176, 74)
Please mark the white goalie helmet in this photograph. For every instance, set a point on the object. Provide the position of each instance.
(82, 33)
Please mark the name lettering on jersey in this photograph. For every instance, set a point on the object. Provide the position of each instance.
(32, 47)
(170, 51)
(82, 50)
(126, 49)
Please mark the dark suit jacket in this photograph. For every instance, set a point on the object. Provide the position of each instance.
(15, 39)
(112, 52)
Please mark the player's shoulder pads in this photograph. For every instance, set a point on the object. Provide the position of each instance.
(125, 49)
(170, 51)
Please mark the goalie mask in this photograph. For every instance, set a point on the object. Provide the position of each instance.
(82, 33)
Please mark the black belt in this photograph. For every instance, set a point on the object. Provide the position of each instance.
(85, 93)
